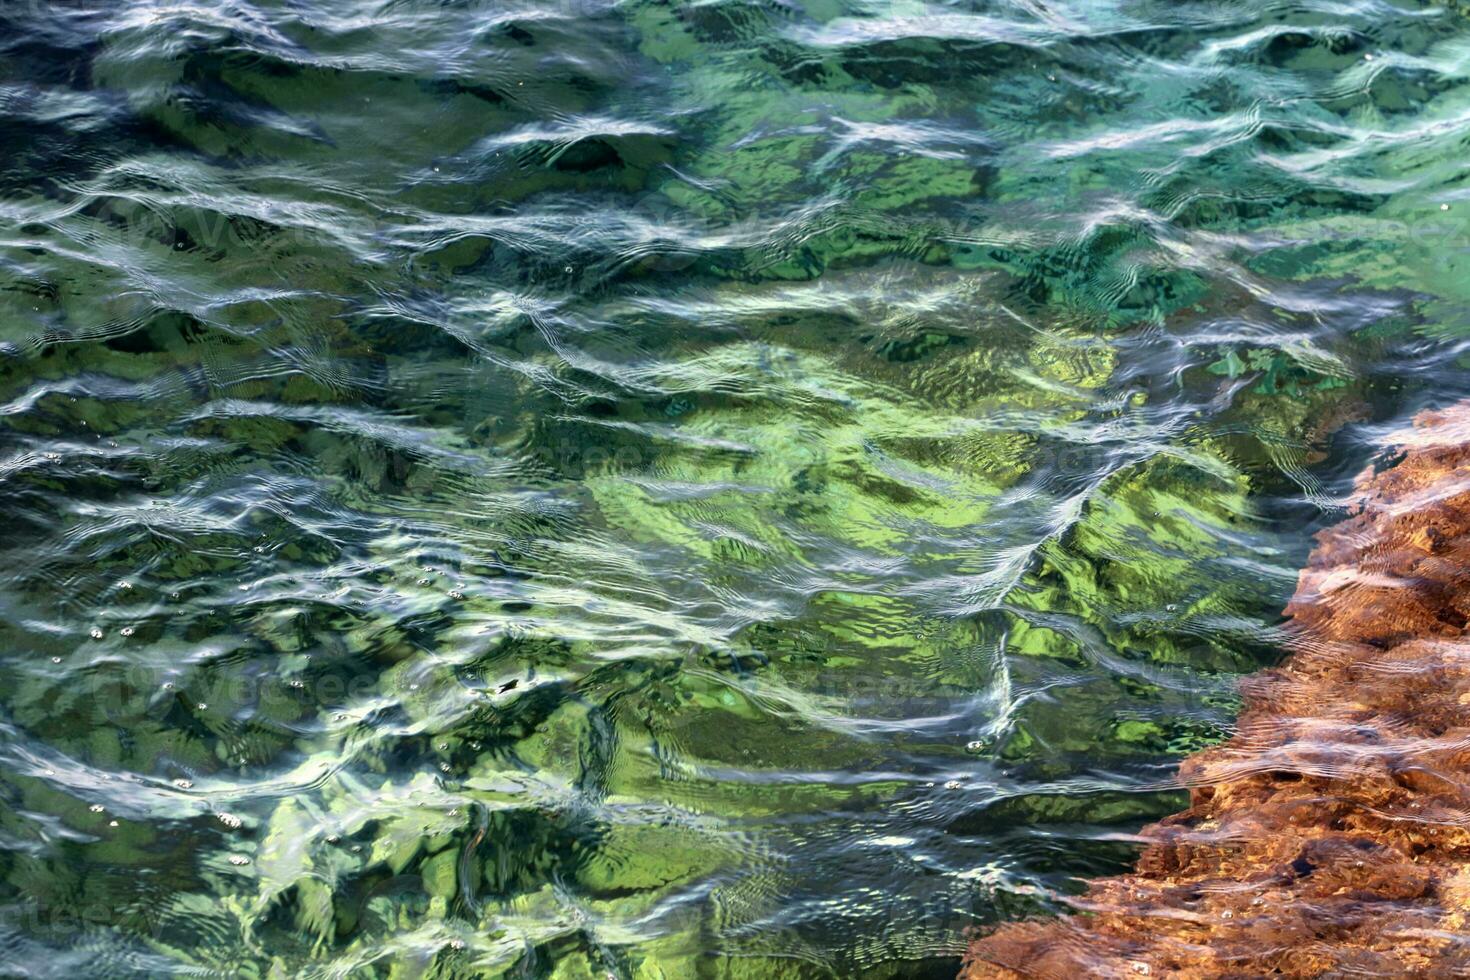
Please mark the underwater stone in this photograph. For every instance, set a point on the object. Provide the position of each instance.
(1329, 836)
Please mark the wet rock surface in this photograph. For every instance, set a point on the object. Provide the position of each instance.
(1331, 834)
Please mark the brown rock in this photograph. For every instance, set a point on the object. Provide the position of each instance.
(1331, 835)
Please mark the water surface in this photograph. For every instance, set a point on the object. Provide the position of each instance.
(670, 489)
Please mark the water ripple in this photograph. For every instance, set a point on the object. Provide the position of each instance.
(587, 488)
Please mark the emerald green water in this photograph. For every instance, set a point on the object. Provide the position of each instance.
(670, 489)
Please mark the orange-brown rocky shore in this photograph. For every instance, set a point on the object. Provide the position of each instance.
(1331, 834)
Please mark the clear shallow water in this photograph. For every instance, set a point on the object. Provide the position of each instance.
(669, 490)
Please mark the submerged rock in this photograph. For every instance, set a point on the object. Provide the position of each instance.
(1331, 835)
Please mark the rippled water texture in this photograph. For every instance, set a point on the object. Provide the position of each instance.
(1327, 837)
(670, 489)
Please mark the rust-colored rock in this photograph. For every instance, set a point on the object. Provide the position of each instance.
(1331, 835)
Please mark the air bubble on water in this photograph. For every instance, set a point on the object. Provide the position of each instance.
(183, 784)
(112, 823)
(456, 594)
(297, 683)
(1170, 607)
(126, 631)
(457, 943)
(228, 819)
(333, 839)
(444, 767)
(953, 784)
(168, 685)
(1444, 207)
(49, 772)
(124, 584)
(203, 706)
(56, 660)
(96, 808)
(976, 745)
(239, 860)
(96, 633)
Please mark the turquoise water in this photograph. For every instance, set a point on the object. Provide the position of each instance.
(670, 489)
